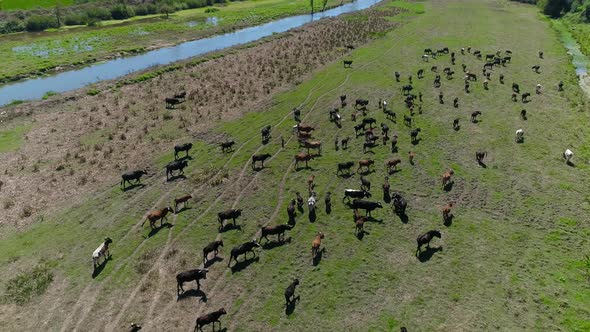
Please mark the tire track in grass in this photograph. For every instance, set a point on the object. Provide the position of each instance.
(85, 295)
(236, 201)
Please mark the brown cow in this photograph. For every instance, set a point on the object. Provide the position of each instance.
(392, 164)
(365, 163)
(411, 156)
(446, 178)
(156, 215)
(303, 157)
(313, 145)
(315, 245)
(310, 183)
(359, 225)
(182, 200)
(446, 211)
(304, 128)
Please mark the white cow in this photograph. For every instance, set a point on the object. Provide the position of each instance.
(568, 154)
(102, 250)
(425, 57)
(519, 135)
(311, 203)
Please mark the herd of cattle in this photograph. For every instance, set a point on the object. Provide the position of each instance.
(355, 199)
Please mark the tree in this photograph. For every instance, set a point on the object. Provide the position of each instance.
(311, 1)
(166, 9)
(553, 8)
(58, 13)
(324, 5)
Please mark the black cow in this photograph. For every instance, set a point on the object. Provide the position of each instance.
(228, 214)
(243, 249)
(265, 133)
(361, 102)
(171, 102)
(515, 88)
(177, 165)
(346, 166)
(278, 230)
(209, 318)
(369, 121)
(183, 147)
(132, 176)
(368, 206)
(261, 158)
(354, 193)
(188, 276)
(425, 238)
(290, 291)
(227, 146)
(399, 203)
(406, 89)
(212, 247)
(414, 135)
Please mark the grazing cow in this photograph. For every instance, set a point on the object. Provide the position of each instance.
(328, 202)
(560, 86)
(525, 97)
(427, 51)
(212, 247)
(171, 102)
(347, 63)
(519, 135)
(386, 188)
(243, 249)
(311, 204)
(485, 84)
(456, 102)
(523, 114)
(446, 177)
(414, 135)
(359, 225)
(227, 146)
(265, 132)
(407, 120)
(369, 121)
(278, 230)
(406, 89)
(456, 124)
(303, 136)
(567, 155)
(303, 157)
(515, 88)
(353, 193)
(390, 115)
(101, 251)
(501, 78)
(411, 156)
(514, 97)
(425, 57)
(304, 128)
(479, 156)
(290, 292)
(261, 158)
(358, 129)
(536, 68)
(540, 55)
(474, 115)
(156, 215)
(181, 200)
(392, 164)
(425, 239)
(315, 245)
(446, 211)
(489, 56)
(177, 165)
(183, 147)
(394, 144)
(361, 103)
(343, 100)
(397, 74)
(507, 59)
(440, 97)
(228, 214)
(344, 167)
(188, 276)
(291, 212)
(384, 129)
(420, 73)
(399, 203)
(209, 318)
(299, 200)
(434, 69)
(297, 114)
(312, 145)
(132, 176)
(365, 163)
(365, 184)
(538, 89)
(180, 96)
(368, 206)
(310, 183)
(471, 77)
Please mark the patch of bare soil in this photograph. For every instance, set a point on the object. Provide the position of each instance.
(80, 143)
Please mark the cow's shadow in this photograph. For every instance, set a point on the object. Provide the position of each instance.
(197, 293)
(133, 186)
(274, 244)
(239, 266)
(212, 261)
(229, 227)
(100, 267)
(426, 255)
(156, 230)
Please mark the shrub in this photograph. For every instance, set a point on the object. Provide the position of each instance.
(93, 22)
(76, 19)
(40, 23)
(12, 26)
(121, 12)
(99, 13)
(141, 10)
(196, 3)
(24, 286)
(93, 92)
(211, 10)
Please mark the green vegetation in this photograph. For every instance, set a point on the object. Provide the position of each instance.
(512, 259)
(31, 4)
(11, 139)
(25, 54)
(24, 286)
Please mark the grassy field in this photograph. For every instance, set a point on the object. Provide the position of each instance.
(513, 258)
(39, 53)
(31, 4)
